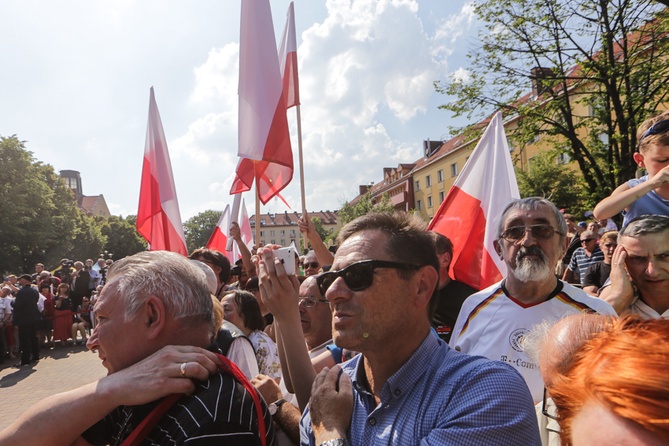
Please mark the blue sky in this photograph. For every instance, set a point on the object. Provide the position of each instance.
(76, 77)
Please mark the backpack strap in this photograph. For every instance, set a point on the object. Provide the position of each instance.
(227, 366)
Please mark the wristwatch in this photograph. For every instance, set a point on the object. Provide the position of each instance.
(274, 407)
(335, 442)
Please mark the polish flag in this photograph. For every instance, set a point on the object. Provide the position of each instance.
(468, 216)
(264, 139)
(288, 59)
(158, 217)
(219, 238)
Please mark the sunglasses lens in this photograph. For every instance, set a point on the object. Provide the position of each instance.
(515, 233)
(325, 280)
(542, 232)
(359, 276)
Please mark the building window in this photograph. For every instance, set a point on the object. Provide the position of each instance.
(273, 242)
(271, 233)
(440, 176)
(283, 242)
(419, 205)
(429, 201)
(563, 158)
(417, 185)
(428, 181)
(282, 232)
(262, 221)
(441, 197)
(454, 169)
(262, 233)
(292, 232)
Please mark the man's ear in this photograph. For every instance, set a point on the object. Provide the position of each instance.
(498, 249)
(427, 280)
(154, 316)
(446, 260)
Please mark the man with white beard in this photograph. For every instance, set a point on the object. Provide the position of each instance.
(493, 322)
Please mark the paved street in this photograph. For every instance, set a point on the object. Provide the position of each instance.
(60, 369)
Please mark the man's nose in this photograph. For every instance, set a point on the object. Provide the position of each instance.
(528, 239)
(92, 343)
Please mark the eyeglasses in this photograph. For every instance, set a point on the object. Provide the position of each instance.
(655, 129)
(542, 232)
(586, 240)
(544, 409)
(311, 301)
(360, 275)
(312, 265)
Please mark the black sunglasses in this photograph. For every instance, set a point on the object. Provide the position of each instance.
(655, 129)
(360, 275)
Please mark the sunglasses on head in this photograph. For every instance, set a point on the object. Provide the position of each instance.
(313, 265)
(655, 129)
(360, 275)
(516, 233)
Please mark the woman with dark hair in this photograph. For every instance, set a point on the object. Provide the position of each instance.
(62, 322)
(219, 263)
(241, 308)
(45, 331)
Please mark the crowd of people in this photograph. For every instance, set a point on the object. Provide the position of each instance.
(375, 343)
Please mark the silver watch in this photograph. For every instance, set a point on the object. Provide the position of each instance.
(274, 407)
(335, 442)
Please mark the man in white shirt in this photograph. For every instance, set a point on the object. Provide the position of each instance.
(531, 239)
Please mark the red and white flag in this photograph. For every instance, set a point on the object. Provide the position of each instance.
(469, 214)
(158, 217)
(219, 238)
(264, 139)
(288, 60)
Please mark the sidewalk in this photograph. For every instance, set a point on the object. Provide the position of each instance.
(60, 369)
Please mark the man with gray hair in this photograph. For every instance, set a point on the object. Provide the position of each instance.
(492, 323)
(639, 279)
(155, 319)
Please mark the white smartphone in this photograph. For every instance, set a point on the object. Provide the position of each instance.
(287, 257)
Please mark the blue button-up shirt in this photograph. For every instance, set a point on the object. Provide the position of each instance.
(440, 397)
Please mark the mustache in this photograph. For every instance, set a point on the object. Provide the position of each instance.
(530, 251)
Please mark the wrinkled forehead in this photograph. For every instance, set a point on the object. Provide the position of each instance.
(520, 217)
(309, 287)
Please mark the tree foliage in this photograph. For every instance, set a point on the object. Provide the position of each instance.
(40, 221)
(122, 237)
(199, 228)
(561, 185)
(608, 57)
(365, 204)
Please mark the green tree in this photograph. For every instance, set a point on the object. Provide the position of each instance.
(608, 57)
(558, 183)
(198, 229)
(322, 231)
(365, 204)
(122, 237)
(38, 216)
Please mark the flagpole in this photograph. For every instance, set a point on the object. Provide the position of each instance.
(301, 159)
(255, 165)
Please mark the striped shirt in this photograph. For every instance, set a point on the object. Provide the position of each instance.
(220, 411)
(439, 396)
(580, 262)
(492, 324)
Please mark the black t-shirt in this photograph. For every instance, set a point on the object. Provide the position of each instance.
(451, 298)
(597, 274)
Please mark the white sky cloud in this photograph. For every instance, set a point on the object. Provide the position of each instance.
(78, 88)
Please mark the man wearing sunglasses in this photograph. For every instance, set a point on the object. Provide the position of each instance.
(588, 254)
(407, 386)
(493, 322)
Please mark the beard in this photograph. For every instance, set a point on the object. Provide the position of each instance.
(531, 269)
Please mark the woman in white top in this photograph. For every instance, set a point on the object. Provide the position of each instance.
(242, 309)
